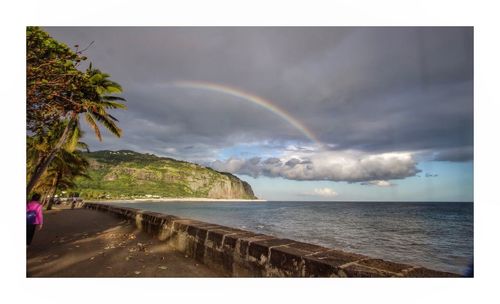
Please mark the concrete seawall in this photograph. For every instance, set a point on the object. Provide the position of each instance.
(243, 253)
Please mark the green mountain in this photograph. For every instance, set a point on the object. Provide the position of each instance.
(128, 174)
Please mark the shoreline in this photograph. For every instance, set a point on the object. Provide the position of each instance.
(185, 199)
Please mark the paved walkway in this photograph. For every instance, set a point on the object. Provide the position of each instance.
(86, 243)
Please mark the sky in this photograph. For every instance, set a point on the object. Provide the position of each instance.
(301, 113)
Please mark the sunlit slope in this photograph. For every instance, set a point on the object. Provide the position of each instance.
(128, 174)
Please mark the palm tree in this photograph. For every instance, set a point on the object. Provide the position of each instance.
(39, 146)
(62, 172)
(94, 105)
(67, 164)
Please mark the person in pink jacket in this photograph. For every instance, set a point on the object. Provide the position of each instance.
(34, 217)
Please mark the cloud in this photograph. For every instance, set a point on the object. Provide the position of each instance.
(376, 90)
(351, 166)
(378, 183)
(322, 192)
(461, 154)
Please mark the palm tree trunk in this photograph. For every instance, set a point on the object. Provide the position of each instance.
(42, 167)
(54, 189)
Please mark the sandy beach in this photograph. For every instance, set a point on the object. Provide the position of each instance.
(85, 243)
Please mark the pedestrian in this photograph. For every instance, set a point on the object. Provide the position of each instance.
(34, 217)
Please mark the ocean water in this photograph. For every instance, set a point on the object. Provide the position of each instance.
(437, 235)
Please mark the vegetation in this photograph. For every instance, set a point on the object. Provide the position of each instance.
(58, 94)
(127, 174)
(67, 164)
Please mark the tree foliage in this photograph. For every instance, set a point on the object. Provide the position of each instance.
(58, 92)
(54, 83)
(62, 172)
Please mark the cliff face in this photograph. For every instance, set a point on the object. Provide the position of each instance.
(128, 174)
(229, 186)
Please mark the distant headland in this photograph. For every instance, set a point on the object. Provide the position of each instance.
(125, 175)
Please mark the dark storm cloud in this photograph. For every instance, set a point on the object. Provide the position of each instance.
(370, 89)
(461, 154)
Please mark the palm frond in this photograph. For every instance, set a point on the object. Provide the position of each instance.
(113, 118)
(107, 122)
(73, 138)
(109, 104)
(113, 88)
(112, 98)
(93, 125)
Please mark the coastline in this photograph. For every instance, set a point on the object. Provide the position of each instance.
(184, 199)
(242, 253)
(422, 240)
(101, 240)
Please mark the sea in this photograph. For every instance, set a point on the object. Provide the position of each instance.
(436, 235)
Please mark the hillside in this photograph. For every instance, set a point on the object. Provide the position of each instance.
(128, 174)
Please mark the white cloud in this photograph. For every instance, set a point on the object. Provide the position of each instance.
(379, 183)
(350, 166)
(323, 192)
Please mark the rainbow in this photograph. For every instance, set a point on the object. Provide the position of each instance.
(266, 104)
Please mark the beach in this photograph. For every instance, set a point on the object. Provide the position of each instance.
(85, 243)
